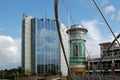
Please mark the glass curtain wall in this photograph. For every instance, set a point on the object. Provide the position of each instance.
(48, 47)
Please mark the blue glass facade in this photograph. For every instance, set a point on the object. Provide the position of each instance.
(40, 52)
(45, 45)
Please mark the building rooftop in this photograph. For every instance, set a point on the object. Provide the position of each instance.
(105, 43)
(77, 27)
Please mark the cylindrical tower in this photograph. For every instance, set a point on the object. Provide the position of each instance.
(77, 50)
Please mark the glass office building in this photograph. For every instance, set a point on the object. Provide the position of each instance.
(48, 47)
(40, 45)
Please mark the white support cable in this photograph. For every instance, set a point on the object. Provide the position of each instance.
(60, 38)
(68, 16)
(68, 12)
(69, 20)
(61, 18)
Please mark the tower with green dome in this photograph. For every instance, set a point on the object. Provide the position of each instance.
(77, 56)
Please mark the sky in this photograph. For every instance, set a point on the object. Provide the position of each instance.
(82, 12)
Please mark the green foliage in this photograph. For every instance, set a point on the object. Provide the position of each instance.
(19, 72)
(11, 73)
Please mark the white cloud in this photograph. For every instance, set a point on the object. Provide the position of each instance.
(93, 48)
(49, 43)
(113, 16)
(118, 15)
(47, 33)
(94, 37)
(9, 52)
(104, 2)
(109, 9)
(93, 31)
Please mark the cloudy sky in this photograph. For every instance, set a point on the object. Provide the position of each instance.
(82, 12)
